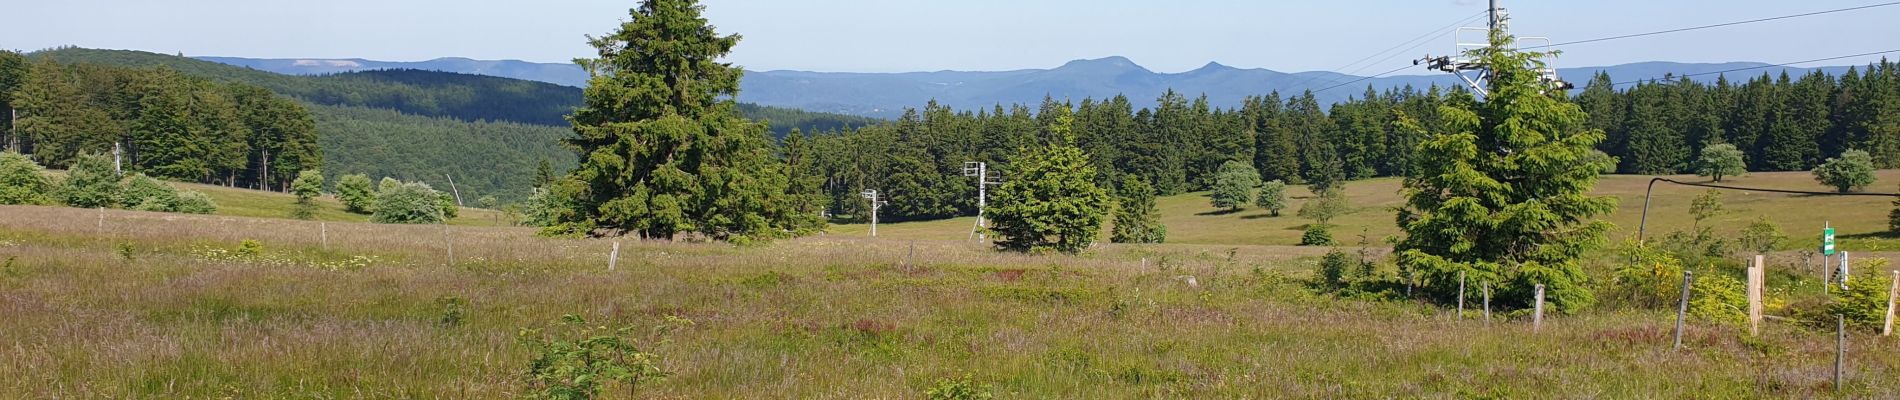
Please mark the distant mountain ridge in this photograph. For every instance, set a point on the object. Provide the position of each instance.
(886, 95)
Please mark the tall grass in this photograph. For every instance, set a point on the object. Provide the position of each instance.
(151, 305)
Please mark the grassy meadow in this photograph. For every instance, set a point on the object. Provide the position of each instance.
(164, 305)
(1860, 221)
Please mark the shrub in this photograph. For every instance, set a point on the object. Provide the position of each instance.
(1761, 236)
(1652, 277)
(90, 183)
(1317, 235)
(307, 187)
(1333, 269)
(1136, 219)
(355, 193)
(1853, 170)
(576, 359)
(144, 193)
(1233, 185)
(195, 202)
(22, 181)
(1864, 303)
(250, 248)
(446, 202)
(408, 203)
(1705, 206)
(1719, 298)
(961, 388)
(1324, 207)
(1272, 196)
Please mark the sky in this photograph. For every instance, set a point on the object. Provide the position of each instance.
(970, 35)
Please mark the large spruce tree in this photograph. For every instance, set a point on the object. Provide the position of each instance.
(1502, 193)
(1049, 201)
(663, 150)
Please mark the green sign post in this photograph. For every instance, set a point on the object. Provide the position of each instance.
(1827, 242)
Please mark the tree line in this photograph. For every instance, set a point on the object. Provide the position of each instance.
(1178, 144)
(163, 123)
(1779, 123)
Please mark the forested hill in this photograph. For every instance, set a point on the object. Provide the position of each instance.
(465, 97)
(489, 133)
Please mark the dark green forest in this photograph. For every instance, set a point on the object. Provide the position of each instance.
(1781, 123)
(165, 124)
(490, 133)
(1656, 127)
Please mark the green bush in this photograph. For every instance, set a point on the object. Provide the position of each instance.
(961, 388)
(1719, 298)
(90, 183)
(1317, 235)
(1651, 278)
(356, 194)
(1333, 269)
(144, 193)
(1853, 170)
(1272, 196)
(575, 360)
(195, 202)
(1864, 303)
(1233, 185)
(408, 203)
(22, 181)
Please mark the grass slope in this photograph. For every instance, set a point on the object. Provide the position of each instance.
(154, 305)
(1860, 220)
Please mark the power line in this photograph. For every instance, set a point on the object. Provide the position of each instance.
(1725, 24)
(1362, 79)
(1759, 67)
(1426, 37)
(1769, 190)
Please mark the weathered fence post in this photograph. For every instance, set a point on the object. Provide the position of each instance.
(449, 243)
(1892, 293)
(1461, 295)
(1487, 303)
(1537, 317)
(1840, 348)
(909, 256)
(323, 234)
(613, 257)
(1756, 280)
(1682, 307)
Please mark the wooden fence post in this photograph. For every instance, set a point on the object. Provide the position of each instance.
(1537, 318)
(1487, 303)
(1682, 308)
(1840, 348)
(323, 234)
(614, 256)
(1756, 280)
(448, 243)
(1461, 295)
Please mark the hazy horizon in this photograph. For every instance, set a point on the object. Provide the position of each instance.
(980, 35)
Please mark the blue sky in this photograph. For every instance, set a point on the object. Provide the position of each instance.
(913, 35)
